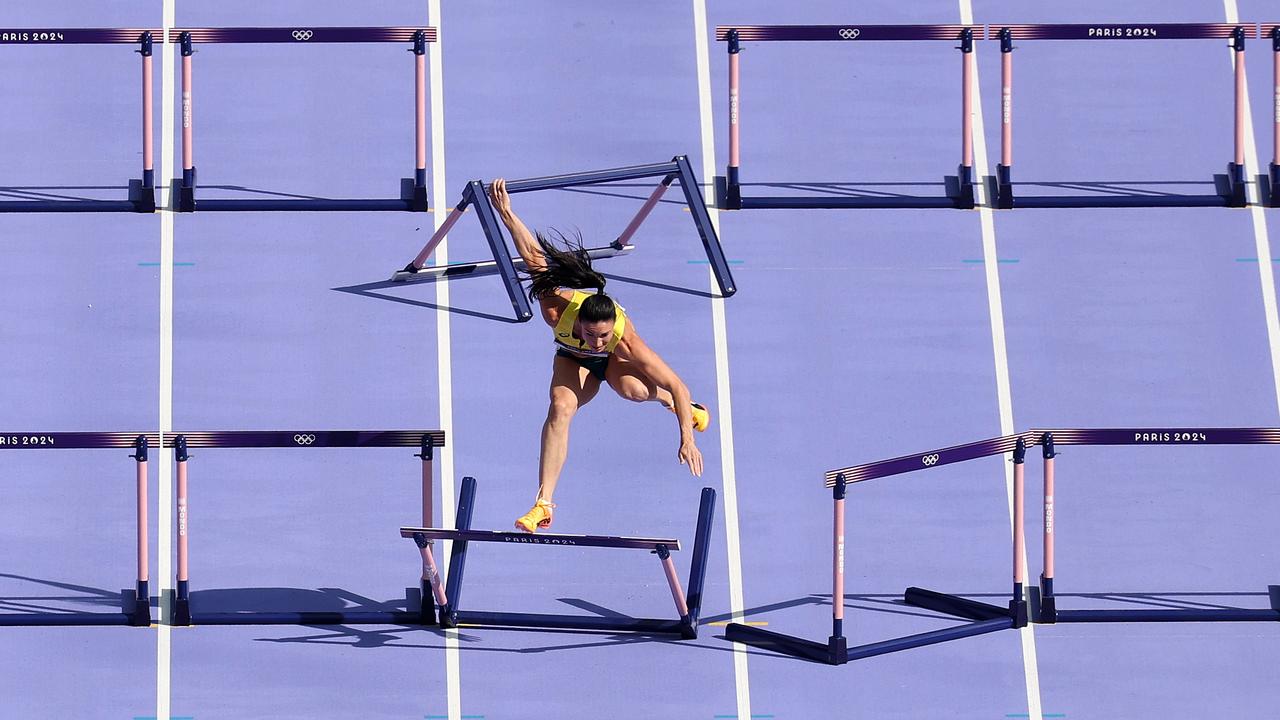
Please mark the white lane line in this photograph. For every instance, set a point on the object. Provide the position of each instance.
(164, 479)
(1004, 393)
(444, 377)
(1263, 248)
(723, 399)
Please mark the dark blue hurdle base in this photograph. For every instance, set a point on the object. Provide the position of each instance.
(1230, 193)
(135, 611)
(451, 615)
(413, 198)
(417, 614)
(959, 195)
(142, 199)
(1045, 611)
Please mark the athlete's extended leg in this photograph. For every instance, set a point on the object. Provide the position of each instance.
(572, 386)
(633, 385)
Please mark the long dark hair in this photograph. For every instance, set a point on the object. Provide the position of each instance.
(568, 266)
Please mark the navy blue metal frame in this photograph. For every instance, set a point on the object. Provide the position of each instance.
(678, 168)
(451, 615)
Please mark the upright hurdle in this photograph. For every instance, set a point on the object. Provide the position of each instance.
(141, 192)
(136, 603)
(1046, 611)
(959, 188)
(413, 191)
(184, 614)
(448, 596)
(1273, 31)
(984, 618)
(1230, 188)
(476, 194)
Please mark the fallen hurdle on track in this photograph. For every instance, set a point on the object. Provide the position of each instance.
(141, 192)
(185, 614)
(448, 596)
(1230, 188)
(1044, 603)
(959, 188)
(136, 602)
(413, 191)
(476, 194)
(983, 617)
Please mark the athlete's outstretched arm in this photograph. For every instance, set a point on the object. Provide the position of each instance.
(635, 350)
(526, 244)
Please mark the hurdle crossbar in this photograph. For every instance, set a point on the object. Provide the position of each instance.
(476, 194)
(417, 612)
(141, 191)
(1272, 30)
(983, 617)
(136, 602)
(1044, 607)
(959, 187)
(688, 604)
(413, 191)
(1229, 188)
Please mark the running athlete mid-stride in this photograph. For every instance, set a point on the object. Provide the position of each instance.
(595, 341)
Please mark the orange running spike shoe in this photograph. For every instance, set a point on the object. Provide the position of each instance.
(538, 517)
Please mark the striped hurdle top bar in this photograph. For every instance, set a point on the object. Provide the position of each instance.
(1122, 31)
(756, 33)
(303, 34)
(632, 172)
(1269, 30)
(1163, 436)
(306, 438)
(69, 440)
(931, 459)
(74, 36)
(538, 538)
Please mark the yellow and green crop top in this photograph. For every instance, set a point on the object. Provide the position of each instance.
(564, 328)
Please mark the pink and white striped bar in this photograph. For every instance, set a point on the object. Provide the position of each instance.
(304, 35)
(837, 560)
(1019, 530)
(1240, 94)
(143, 544)
(184, 520)
(420, 112)
(966, 108)
(188, 118)
(1272, 30)
(654, 197)
(431, 575)
(735, 109)
(1006, 109)
(148, 168)
(1049, 494)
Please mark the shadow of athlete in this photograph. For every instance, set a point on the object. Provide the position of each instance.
(595, 341)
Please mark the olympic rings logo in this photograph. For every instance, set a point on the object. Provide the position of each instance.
(930, 460)
(302, 439)
(302, 34)
(849, 33)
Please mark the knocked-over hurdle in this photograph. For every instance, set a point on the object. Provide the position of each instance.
(184, 614)
(448, 595)
(476, 194)
(984, 618)
(136, 603)
(142, 192)
(413, 191)
(959, 188)
(1230, 189)
(1045, 610)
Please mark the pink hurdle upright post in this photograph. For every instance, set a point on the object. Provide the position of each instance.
(966, 99)
(1048, 609)
(731, 180)
(1006, 97)
(436, 238)
(837, 645)
(141, 613)
(182, 606)
(1275, 124)
(645, 209)
(148, 169)
(420, 118)
(431, 585)
(1018, 605)
(1241, 90)
(186, 200)
(673, 581)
